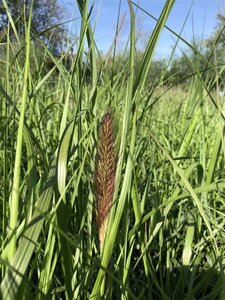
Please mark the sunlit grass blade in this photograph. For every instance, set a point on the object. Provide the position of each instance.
(13, 278)
(16, 178)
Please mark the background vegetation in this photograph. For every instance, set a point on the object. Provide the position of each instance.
(165, 237)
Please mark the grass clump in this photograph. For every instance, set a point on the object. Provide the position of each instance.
(158, 202)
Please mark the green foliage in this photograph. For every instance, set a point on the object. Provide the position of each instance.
(166, 225)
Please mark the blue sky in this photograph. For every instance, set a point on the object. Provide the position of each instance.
(200, 24)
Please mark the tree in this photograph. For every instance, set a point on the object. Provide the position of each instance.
(46, 15)
(215, 51)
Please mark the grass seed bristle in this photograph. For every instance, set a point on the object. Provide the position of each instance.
(104, 180)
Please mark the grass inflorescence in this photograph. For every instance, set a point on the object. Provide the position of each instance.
(104, 177)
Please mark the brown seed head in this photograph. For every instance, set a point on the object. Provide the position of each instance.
(104, 181)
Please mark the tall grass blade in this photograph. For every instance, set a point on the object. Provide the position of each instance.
(16, 178)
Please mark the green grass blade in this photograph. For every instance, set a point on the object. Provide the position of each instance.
(16, 179)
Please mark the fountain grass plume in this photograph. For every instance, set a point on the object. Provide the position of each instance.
(104, 177)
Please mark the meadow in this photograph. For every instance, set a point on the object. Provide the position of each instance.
(166, 215)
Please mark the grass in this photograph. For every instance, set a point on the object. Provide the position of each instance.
(166, 224)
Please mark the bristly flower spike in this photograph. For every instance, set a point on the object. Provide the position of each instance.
(104, 177)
